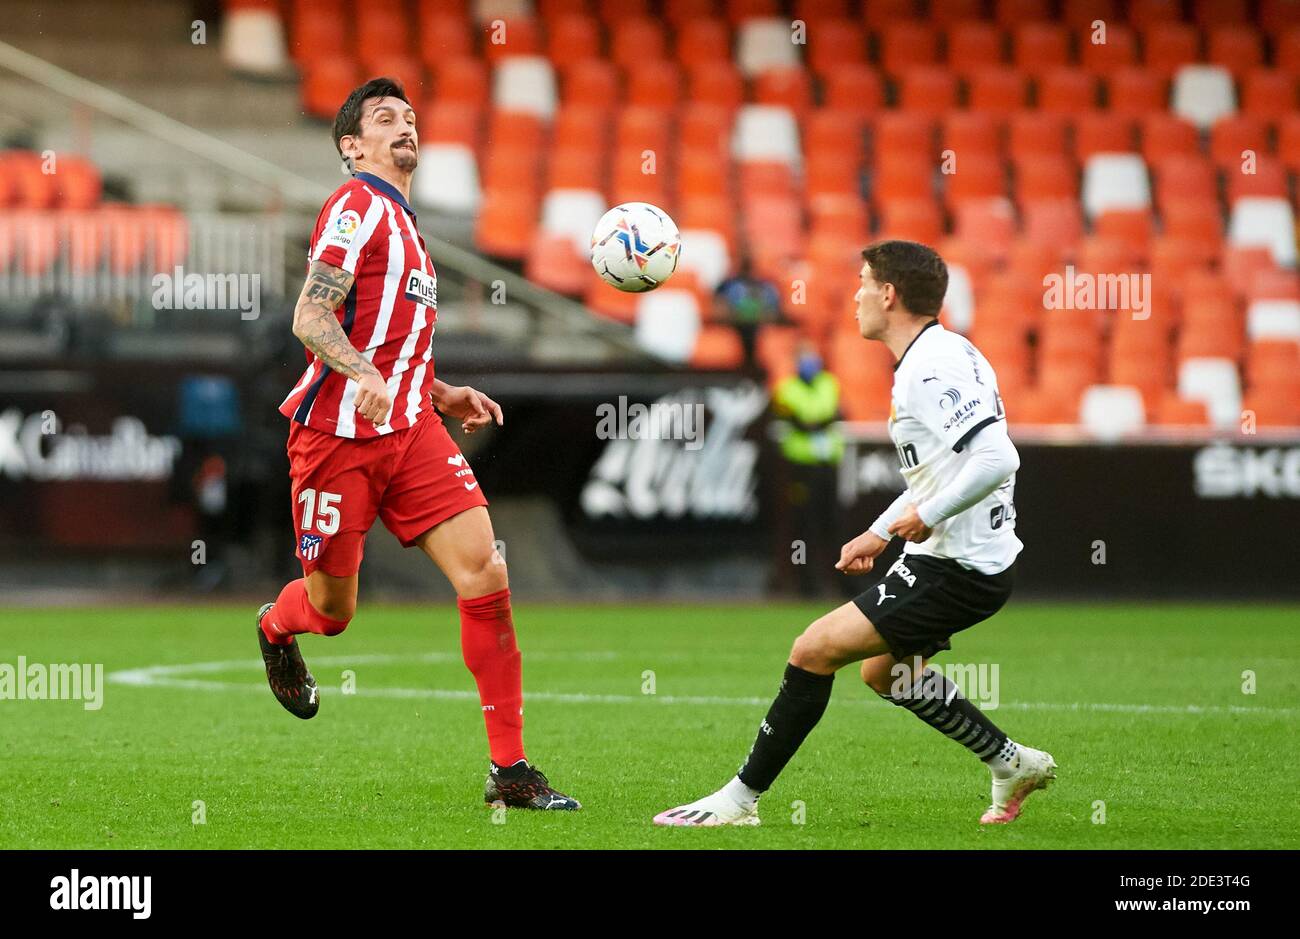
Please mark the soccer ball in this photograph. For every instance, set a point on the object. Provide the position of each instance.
(635, 247)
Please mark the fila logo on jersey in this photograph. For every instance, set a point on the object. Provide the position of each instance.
(309, 547)
(422, 288)
(903, 571)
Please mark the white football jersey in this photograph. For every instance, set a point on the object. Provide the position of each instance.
(945, 391)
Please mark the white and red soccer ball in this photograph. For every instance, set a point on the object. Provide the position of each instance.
(635, 247)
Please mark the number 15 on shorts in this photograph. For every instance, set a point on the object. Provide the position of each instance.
(320, 511)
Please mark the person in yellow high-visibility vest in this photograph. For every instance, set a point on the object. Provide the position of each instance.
(808, 405)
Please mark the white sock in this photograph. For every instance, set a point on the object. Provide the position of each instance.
(1004, 763)
(741, 794)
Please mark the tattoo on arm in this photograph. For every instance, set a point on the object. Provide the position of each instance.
(315, 323)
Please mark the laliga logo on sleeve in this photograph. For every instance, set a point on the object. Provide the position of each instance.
(345, 226)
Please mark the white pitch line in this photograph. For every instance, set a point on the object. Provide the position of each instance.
(171, 676)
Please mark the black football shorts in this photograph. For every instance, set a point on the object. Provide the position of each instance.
(922, 600)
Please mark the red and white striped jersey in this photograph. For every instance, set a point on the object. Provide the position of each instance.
(368, 229)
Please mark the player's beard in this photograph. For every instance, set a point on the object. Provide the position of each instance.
(405, 158)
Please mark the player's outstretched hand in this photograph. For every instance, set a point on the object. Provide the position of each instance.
(909, 526)
(858, 556)
(473, 408)
(372, 400)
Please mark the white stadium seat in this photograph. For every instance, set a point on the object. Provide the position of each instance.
(1111, 412)
(1216, 383)
(574, 214)
(704, 251)
(1115, 181)
(448, 179)
(765, 43)
(252, 42)
(959, 301)
(525, 83)
(1202, 94)
(1267, 221)
(485, 11)
(668, 323)
(766, 132)
(1273, 319)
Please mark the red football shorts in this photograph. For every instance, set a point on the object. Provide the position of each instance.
(412, 479)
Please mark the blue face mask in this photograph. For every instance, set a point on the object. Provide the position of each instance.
(809, 366)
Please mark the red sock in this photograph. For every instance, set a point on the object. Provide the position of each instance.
(293, 613)
(487, 640)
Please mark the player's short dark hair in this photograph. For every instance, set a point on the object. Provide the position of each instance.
(347, 123)
(916, 271)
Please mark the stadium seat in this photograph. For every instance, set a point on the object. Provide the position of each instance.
(705, 252)
(1275, 363)
(591, 83)
(975, 176)
(716, 83)
(997, 90)
(554, 264)
(655, 83)
(911, 220)
(1055, 223)
(1132, 227)
(1115, 181)
(1067, 90)
(835, 43)
(1045, 177)
(572, 213)
(1169, 46)
(1039, 46)
(635, 39)
(1195, 221)
(1112, 412)
(701, 38)
(971, 133)
(928, 90)
(1216, 384)
(1237, 47)
(77, 182)
(252, 41)
(1185, 177)
(1117, 51)
(1032, 134)
(1234, 135)
(1273, 319)
(905, 44)
(449, 182)
(525, 83)
(442, 34)
(506, 222)
(974, 44)
(948, 13)
(1175, 411)
(509, 33)
(1011, 13)
(738, 11)
(787, 86)
(325, 83)
(989, 221)
(1286, 55)
(764, 132)
(1268, 179)
(1264, 221)
(856, 88)
(1268, 94)
(1166, 134)
(902, 134)
(831, 174)
(1136, 92)
(1103, 132)
(668, 323)
(1142, 13)
(902, 177)
(762, 44)
(718, 348)
(1203, 94)
(1209, 13)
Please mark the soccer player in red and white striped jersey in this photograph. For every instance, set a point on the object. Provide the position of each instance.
(366, 439)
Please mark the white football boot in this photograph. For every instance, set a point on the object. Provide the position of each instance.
(711, 811)
(1033, 770)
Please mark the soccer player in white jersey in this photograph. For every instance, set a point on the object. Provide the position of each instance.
(958, 519)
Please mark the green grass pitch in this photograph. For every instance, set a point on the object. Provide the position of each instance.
(1142, 706)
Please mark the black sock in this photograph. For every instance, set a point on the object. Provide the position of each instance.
(798, 707)
(938, 702)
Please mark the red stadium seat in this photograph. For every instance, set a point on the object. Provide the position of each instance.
(1038, 47)
(1286, 54)
(1267, 179)
(997, 90)
(1045, 177)
(655, 83)
(928, 90)
(1288, 142)
(1032, 134)
(572, 36)
(1143, 13)
(1237, 47)
(971, 133)
(1165, 135)
(510, 35)
(1067, 90)
(1081, 14)
(903, 134)
(977, 177)
(1268, 94)
(836, 43)
(1132, 227)
(1275, 16)
(1103, 132)
(715, 83)
(553, 262)
(991, 222)
(911, 220)
(463, 80)
(854, 88)
(442, 34)
(1194, 220)
(718, 347)
(1219, 12)
(634, 40)
(1170, 45)
(974, 44)
(1012, 13)
(1056, 223)
(1117, 51)
(1136, 92)
(1185, 177)
(702, 39)
(788, 87)
(1231, 136)
(901, 177)
(906, 44)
